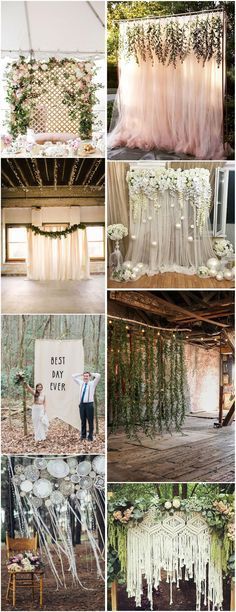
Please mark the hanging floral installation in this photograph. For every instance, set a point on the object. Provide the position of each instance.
(168, 40)
(27, 80)
(57, 233)
(189, 538)
(191, 186)
(50, 486)
(147, 386)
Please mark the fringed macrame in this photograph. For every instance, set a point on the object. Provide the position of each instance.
(181, 546)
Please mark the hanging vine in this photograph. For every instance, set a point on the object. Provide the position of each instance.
(170, 40)
(147, 380)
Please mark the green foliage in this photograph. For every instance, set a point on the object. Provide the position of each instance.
(130, 502)
(26, 81)
(58, 234)
(147, 380)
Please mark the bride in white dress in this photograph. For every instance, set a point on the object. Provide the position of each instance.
(39, 415)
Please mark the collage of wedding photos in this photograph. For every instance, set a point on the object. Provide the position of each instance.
(117, 305)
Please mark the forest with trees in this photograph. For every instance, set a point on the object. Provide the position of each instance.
(18, 338)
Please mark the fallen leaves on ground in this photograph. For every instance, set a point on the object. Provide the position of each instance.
(61, 439)
(74, 597)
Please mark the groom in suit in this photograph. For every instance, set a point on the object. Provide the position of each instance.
(87, 384)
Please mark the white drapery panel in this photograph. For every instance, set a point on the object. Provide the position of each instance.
(172, 251)
(172, 108)
(64, 258)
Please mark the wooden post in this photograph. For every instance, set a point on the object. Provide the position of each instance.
(220, 386)
(41, 591)
(14, 591)
(232, 596)
(114, 596)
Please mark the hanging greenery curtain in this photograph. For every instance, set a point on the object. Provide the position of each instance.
(147, 386)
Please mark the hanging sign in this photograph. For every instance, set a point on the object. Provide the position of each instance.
(55, 362)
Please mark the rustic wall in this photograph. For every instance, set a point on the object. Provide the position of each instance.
(203, 378)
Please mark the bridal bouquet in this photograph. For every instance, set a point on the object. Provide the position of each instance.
(117, 231)
(24, 562)
(19, 377)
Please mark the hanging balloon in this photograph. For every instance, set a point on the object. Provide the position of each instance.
(98, 464)
(32, 472)
(83, 468)
(58, 468)
(42, 488)
(82, 494)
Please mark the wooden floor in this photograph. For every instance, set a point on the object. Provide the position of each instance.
(57, 297)
(202, 461)
(171, 280)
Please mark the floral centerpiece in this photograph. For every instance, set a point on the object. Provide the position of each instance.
(28, 78)
(117, 231)
(222, 247)
(24, 562)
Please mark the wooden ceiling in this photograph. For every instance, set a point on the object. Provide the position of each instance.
(26, 172)
(207, 317)
(27, 183)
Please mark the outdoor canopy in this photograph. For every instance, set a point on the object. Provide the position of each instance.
(56, 28)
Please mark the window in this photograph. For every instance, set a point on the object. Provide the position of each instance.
(16, 243)
(96, 241)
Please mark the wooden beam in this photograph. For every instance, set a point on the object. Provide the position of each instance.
(229, 417)
(157, 305)
(56, 201)
(50, 192)
(231, 344)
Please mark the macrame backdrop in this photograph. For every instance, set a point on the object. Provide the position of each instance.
(181, 546)
(170, 99)
(164, 232)
(147, 387)
(63, 258)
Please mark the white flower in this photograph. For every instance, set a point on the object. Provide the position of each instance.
(176, 503)
(44, 67)
(222, 247)
(117, 231)
(202, 271)
(168, 505)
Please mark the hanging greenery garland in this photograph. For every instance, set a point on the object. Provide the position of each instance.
(171, 40)
(58, 233)
(147, 380)
(27, 80)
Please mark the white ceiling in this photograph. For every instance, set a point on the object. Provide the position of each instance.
(54, 27)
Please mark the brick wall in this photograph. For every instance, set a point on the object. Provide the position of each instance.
(203, 378)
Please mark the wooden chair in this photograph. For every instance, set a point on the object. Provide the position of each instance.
(23, 580)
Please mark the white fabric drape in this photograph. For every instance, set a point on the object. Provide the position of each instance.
(172, 108)
(172, 252)
(63, 258)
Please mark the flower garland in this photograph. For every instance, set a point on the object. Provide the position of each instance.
(123, 514)
(28, 79)
(58, 233)
(171, 41)
(147, 380)
(189, 185)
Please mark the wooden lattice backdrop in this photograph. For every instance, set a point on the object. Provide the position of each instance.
(50, 114)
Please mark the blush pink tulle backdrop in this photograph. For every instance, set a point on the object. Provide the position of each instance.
(176, 109)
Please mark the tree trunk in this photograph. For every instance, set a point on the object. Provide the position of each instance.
(176, 489)
(22, 322)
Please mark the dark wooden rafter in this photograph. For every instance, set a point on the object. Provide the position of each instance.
(159, 306)
(87, 172)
